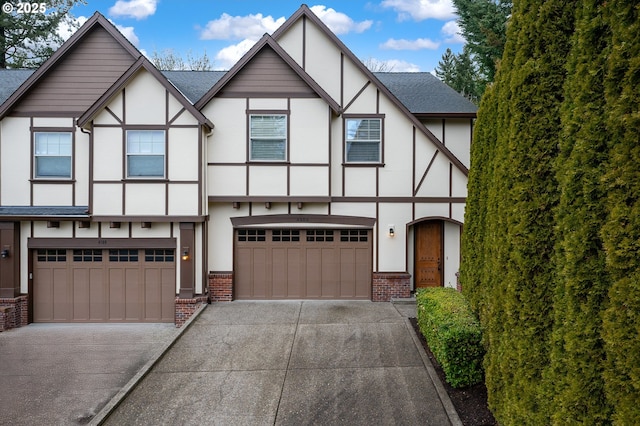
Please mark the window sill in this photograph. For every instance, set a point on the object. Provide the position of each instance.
(362, 164)
(268, 163)
(52, 180)
(145, 180)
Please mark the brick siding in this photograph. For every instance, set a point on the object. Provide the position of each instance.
(185, 308)
(221, 286)
(14, 312)
(388, 285)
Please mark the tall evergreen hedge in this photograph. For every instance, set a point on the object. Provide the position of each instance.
(576, 384)
(551, 246)
(621, 231)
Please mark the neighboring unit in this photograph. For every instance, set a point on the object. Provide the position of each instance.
(130, 194)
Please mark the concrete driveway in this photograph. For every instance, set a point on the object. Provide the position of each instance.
(292, 363)
(64, 374)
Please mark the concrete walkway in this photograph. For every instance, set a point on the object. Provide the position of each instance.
(292, 363)
(65, 374)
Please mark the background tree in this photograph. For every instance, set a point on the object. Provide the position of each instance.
(484, 26)
(28, 39)
(169, 60)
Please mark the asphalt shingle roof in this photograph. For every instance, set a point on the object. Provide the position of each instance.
(421, 93)
(424, 93)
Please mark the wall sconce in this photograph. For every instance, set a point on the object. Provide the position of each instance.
(185, 253)
(392, 231)
(4, 253)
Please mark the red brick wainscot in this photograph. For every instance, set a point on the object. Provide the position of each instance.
(14, 312)
(388, 285)
(185, 308)
(221, 286)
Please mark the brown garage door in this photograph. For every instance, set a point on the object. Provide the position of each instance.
(303, 264)
(97, 285)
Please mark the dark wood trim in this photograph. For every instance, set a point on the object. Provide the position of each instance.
(357, 95)
(428, 218)
(187, 265)
(329, 199)
(415, 191)
(443, 115)
(163, 219)
(106, 243)
(303, 220)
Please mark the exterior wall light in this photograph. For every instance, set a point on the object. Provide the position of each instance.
(185, 253)
(392, 231)
(4, 253)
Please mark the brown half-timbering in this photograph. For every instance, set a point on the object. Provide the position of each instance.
(429, 254)
(10, 259)
(187, 253)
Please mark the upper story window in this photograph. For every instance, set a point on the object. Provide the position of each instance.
(145, 153)
(268, 137)
(363, 140)
(53, 155)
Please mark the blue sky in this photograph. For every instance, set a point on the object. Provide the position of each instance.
(408, 35)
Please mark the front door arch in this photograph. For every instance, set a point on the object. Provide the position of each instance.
(429, 254)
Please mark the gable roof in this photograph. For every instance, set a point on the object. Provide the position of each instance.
(268, 41)
(141, 63)
(97, 20)
(305, 13)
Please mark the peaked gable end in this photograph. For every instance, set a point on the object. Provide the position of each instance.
(77, 74)
(266, 75)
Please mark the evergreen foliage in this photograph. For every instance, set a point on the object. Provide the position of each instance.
(621, 230)
(28, 39)
(551, 245)
(575, 374)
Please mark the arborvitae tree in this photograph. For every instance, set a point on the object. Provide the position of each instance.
(523, 196)
(621, 232)
(575, 375)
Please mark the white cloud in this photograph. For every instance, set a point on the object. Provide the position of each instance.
(129, 33)
(338, 22)
(67, 28)
(402, 44)
(138, 9)
(229, 27)
(419, 10)
(227, 57)
(402, 66)
(452, 32)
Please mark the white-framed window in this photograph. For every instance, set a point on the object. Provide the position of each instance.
(145, 153)
(363, 140)
(268, 137)
(52, 155)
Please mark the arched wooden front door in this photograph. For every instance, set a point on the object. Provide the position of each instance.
(429, 250)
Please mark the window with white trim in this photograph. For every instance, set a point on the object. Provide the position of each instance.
(52, 155)
(145, 153)
(268, 137)
(363, 140)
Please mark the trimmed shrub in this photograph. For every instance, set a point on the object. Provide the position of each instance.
(453, 334)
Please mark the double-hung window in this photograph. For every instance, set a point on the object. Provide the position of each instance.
(145, 153)
(363, 140)
(268, 137)
(52, 155)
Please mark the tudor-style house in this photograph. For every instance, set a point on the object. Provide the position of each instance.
(129, 194)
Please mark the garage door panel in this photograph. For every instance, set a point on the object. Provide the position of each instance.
(43, 295)
(329, 274)
(81, 294)
(97, 295)
(153, 294)
(133, 295)
(168, 294)
(116, 294)
(61, 305)
(313, 272)
(307, 264)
